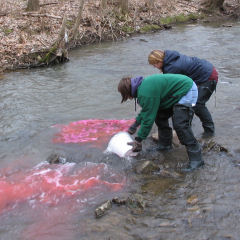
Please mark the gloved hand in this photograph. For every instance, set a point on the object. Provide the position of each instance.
(133, 128)
(136, 146)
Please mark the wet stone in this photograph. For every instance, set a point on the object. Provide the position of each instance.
(158, 185)
(102, 209)
(136, 201)
(192, 199)
(131, 220)
(194, 209)
(147, 167)
(119, 201)
(169, 173)
(56, 159)
(211, 145)
(227, 25)
(225, 237)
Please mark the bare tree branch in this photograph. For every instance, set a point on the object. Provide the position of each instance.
(33, 5)
(77, 23)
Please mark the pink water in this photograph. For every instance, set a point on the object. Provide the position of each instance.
(96, 131)
(52, 196)
(50, 184)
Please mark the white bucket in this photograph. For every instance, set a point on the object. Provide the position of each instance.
(118, 144)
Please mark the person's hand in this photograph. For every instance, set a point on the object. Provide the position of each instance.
(133, 128)
(136, 146)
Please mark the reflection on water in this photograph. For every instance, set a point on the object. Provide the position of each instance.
(34, 101)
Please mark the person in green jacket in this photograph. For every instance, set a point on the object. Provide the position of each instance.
(162, 96)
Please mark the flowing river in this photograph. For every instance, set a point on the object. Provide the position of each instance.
(42, 201)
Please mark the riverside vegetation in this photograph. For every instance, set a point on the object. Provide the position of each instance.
(44, 37)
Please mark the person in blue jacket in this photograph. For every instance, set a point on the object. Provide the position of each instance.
(201, 71)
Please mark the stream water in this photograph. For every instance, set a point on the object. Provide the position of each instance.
(42, 201)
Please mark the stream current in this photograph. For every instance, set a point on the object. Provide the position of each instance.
(201, 205)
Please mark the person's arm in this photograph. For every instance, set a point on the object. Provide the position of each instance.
(147, 115)
(133, 128)
(172, 69)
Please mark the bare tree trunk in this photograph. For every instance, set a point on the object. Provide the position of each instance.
(59, 51)
(124, 6)
(150, 3)
(77, 23)
(104, 4)
(33, 5)
(217, 3)
(214, 4)
(61, 37)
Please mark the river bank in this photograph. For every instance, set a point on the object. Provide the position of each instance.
(27, 37)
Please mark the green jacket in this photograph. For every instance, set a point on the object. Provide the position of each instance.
(159, 91)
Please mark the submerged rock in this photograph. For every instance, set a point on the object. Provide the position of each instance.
(192, 199)
(147, 167)
(168, 173)
(133, 201)
(103, 208)
(56, 159)
(136, 203)
(119, 201)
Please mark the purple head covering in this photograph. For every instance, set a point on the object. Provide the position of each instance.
(135, 82)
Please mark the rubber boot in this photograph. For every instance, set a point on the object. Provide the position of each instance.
(163, 147)
(205, 90)
(182, 118)
(195, 159)
(164, 140)
(208, 134)
(207, 123)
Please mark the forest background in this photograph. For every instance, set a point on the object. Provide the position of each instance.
(36, 33)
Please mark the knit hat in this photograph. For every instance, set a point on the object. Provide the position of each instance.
(156, 56)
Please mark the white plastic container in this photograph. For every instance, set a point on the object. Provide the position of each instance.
(118, 144)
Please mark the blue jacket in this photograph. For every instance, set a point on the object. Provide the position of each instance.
(199, 70)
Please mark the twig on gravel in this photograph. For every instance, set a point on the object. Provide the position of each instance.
(50, 3)
(42, 42)
(41, 15)
(2, 14)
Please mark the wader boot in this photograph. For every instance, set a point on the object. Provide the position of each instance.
(205, 90)
(182, 119)
(164, 130)
(164, 139)
(207, 123)
(195, 158)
